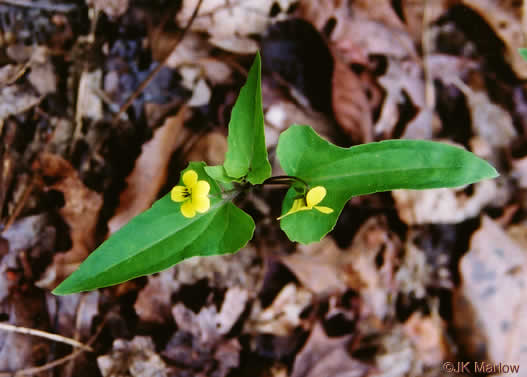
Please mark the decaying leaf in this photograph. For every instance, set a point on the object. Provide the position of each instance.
(150, 171)
(490, 306)
(135, 358)
(428, 337)
(328, 357)
(80, 212)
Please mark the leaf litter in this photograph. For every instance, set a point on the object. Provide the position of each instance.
(415, 279)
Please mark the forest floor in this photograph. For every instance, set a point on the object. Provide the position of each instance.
(407, 282)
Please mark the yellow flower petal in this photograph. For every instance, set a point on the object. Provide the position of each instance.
(201, 203)
(298, 205)
(178, 193)
(323, 209)
(315, 196)
(190, 178)
(188, 210)
(200, 189)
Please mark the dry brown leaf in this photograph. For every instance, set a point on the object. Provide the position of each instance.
(80, 212)
(402, 77)
(154, 300)
(135, 358)
(490, 306)
(376, 284)
(236, 299)
(150, 171)
(318, 266)
(328, 357)
(210, 148)
(444, 205)
(350, 104)
(428, 336)
(369, 27)
(283, 315)
(506, 20)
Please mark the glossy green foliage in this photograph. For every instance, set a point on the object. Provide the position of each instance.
(161, 237)
(365, 169)
(247, 155)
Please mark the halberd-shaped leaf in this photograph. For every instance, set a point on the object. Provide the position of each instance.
(246, 153)
(161, 237)
(365, 169)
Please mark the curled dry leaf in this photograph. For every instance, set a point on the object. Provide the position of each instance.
(150, 171)
(350, 104)
(505, 17)
(490, 307)
(80, 211)
(135, 358)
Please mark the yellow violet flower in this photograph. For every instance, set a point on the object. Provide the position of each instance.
(310, 201)
(194, 194)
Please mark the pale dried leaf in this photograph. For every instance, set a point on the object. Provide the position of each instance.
(210, 148)
(318, 266)
(519, 171)
(16, 99)
(444, 205)
(89, 104)
(154, 300)
(283, 315)
(113, 8)
(229, 23)
(135, 358)
(150, 171)
(232, 308)
(490, 307)
(428, 337)
(400, 78)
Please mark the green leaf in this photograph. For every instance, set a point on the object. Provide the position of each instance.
(523, 52)
(218, 173)
(161, 237)
(365, 169)
(246, 153)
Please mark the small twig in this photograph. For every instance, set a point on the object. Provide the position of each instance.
(44, 5)
(44, 334)
(156, 70)
(58, 362)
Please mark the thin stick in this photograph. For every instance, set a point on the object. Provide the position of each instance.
(58, 362)
(44, 334)
(156, 70)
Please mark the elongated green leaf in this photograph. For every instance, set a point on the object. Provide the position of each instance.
(246, 153)
(365, 169)
(161, 237)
